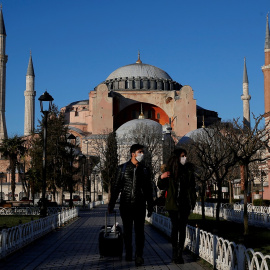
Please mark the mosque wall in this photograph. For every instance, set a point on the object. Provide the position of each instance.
(185, 118)
(101, 114)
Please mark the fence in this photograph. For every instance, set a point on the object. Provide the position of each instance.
(14, 238)
(257, 215)
(220, 253)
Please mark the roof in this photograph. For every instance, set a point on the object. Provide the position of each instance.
(139, 70)
(80, 102)
(30, 69)
(2, 24)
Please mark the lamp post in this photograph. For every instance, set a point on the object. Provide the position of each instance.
(71, 138)
(94, 186)
(1, 174)
(263, 174)
(45, 107)
(88, 176)
(83, 159)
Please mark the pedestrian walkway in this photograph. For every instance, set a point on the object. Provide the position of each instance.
(76, 247)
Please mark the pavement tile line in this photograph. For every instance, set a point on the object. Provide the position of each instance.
(75, 246)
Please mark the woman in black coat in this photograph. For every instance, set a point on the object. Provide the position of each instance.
(179, 182)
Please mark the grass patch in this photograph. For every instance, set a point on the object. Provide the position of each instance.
(11, 221)
(258, 238)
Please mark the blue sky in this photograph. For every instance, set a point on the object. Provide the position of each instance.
(76, 45)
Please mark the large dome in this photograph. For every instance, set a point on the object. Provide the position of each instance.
(140, 76)
(139, 70)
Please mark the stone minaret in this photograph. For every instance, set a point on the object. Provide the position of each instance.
(266, 73)
(29, 93)
(246, 98)
(3, 61)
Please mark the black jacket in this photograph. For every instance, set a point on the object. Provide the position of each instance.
(181, 194)
(135, 190)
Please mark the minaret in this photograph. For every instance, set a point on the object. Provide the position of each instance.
(29, 93)
(3, 61)
(266, 73)
(246, 98)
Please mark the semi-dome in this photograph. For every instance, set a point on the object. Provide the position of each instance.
(127, 129)
(193, 135)
(139, 70)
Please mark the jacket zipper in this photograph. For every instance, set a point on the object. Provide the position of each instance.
(133, 183)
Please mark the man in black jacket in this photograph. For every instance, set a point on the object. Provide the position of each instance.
(134, 182)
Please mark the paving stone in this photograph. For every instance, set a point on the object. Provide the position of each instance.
(75, 246)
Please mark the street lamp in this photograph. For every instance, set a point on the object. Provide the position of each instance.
(83, 159)
(71, 138)
(45, 107)
(88, 176)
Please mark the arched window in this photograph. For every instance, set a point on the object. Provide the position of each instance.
(76, 112)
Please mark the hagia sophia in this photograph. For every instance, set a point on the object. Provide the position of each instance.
(136, 91)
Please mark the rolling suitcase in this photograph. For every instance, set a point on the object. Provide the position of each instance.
(110, 240)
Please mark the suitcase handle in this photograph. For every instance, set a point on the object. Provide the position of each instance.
(106, 221)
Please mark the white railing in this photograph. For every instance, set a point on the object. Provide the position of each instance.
(258, 216)
(220, 253)
(14, 238)
(94, 204)
(29, 211)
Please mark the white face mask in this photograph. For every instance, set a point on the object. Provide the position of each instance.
(183, 160)
(139, 157)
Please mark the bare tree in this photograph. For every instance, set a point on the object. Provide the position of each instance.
(213, 158)
(151, 138)
(244, 143)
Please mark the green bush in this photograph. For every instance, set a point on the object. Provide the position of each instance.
(214, 200)
(260, 202)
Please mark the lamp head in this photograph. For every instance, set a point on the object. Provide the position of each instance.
(45, 102)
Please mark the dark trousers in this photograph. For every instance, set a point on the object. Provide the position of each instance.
(179, 222)
(129, 216)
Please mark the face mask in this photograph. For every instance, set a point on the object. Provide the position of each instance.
(139, 157)
(183, 160)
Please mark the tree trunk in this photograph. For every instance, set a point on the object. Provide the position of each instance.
(219, 184)
(13, 184)
(202, 201)
(245, 175)
(230, 192)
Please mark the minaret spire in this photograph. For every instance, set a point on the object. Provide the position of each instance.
(267, 34)
(266, 73)
(29, 93)
(3, 61)
(246, 97)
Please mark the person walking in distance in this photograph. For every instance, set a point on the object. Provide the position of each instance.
(133, 180)
(179, 182)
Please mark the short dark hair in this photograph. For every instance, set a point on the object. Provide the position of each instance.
(136, 147)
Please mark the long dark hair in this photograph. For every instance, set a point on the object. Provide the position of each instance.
(174, 162)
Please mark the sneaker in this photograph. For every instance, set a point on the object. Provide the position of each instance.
(139, 261)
